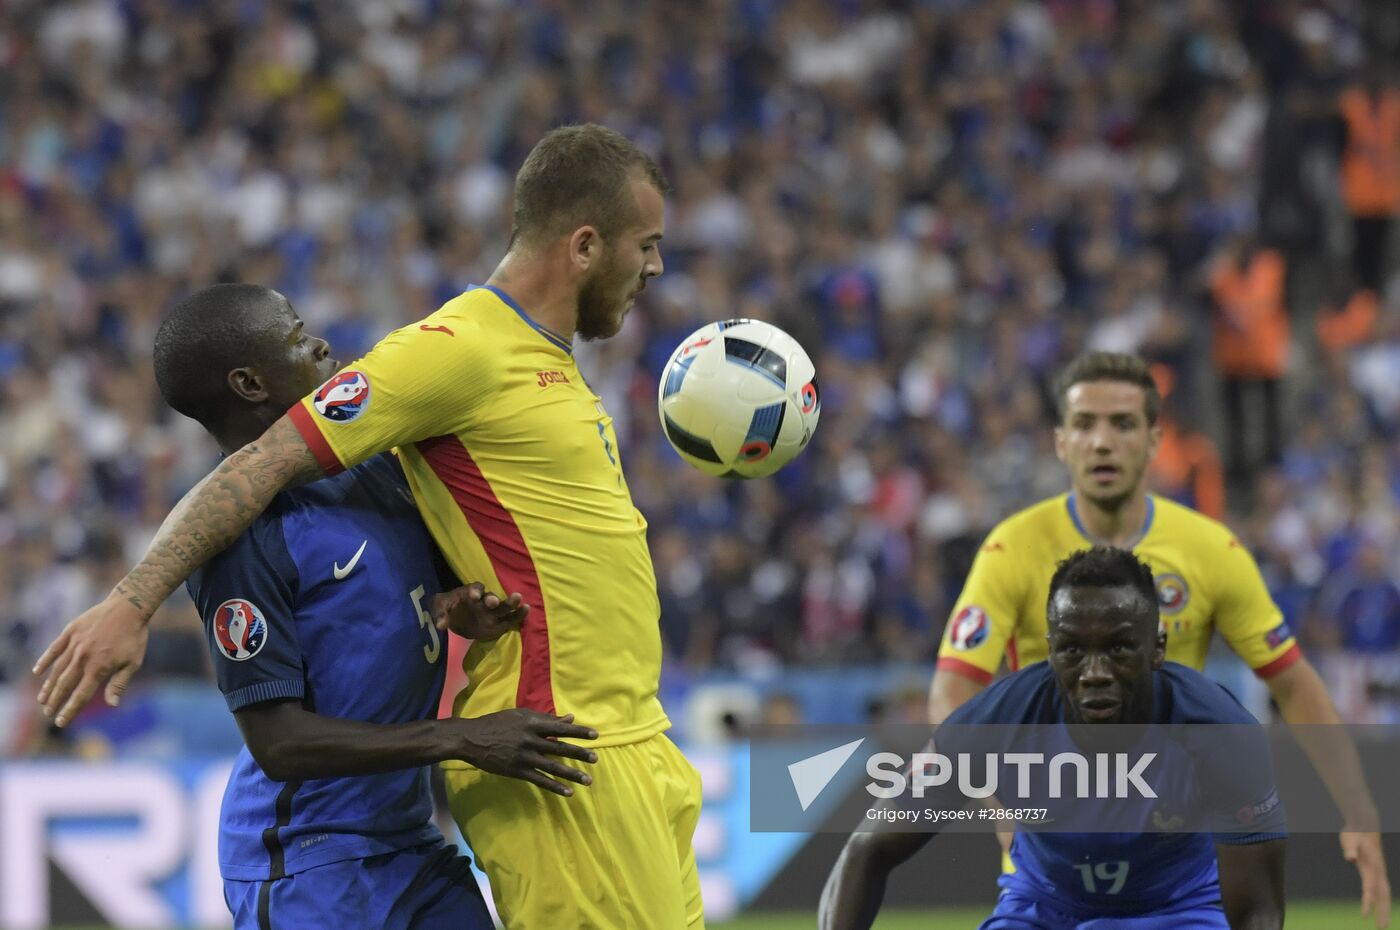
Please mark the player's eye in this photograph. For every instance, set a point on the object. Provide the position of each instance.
(1121, 649)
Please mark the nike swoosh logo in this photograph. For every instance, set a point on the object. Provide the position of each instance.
(342, 572)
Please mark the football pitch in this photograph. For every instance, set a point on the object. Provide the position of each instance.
(1309, 915)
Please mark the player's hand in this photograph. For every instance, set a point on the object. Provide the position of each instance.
(474, 613)
(523, 744)
(1364, 849)
(106, 643)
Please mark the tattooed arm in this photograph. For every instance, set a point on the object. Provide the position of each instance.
(109, 641)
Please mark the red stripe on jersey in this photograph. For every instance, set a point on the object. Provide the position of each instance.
(311, 433)
(510, 559)
(1282, 662)
(1013, 661)
(965, 669)
(456, 678)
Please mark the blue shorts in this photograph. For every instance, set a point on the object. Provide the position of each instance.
(1015, 911)
(429, 887)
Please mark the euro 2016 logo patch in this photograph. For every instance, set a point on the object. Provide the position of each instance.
(1172, 593)
(240, 629)
(343, 398)
(1278, 635)
(970, 628)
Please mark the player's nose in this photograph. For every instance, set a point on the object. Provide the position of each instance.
(1097, 672)
(322, 349)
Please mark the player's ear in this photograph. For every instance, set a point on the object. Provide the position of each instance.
(585, 247)
(1154, 438)
(1060, 443)
(248, 385)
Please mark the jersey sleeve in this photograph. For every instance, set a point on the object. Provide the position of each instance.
(1245, 613)
(246, 597)
(426, 379)
(1238, 782)
(1233, 762)
(984, 618)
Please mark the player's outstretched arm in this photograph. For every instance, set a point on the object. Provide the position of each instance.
(856, 886)
(291, 743)
(949, 691)
(1251, 884)
(108, 641)
(1303, 701)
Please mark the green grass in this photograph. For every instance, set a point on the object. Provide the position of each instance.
(1311, 915)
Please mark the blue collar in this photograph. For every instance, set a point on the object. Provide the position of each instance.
(556, 340)
(1078, 525)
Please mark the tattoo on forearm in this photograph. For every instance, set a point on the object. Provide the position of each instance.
(217, 510)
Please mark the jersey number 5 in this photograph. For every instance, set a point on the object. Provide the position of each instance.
(1115, 873)
(434, 647)
(603, 435)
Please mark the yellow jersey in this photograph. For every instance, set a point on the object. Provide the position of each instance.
(1206, 581)
(514, 465)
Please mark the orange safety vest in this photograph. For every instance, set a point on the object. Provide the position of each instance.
(1187, 469)
(1251, 324)
(1350, 326)
(1371, 162)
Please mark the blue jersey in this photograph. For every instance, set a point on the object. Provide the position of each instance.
(1098, 874)
(323, 600)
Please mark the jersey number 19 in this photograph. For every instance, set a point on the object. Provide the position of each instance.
(1096, 874)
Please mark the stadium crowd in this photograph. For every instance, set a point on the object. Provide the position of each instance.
(942, 200)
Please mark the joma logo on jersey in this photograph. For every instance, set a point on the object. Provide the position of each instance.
(551, 377)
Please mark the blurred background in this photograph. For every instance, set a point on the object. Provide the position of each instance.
(943, 200)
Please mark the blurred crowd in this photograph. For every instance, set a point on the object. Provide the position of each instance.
(943, 200)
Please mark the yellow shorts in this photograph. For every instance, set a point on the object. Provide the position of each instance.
(615, 856)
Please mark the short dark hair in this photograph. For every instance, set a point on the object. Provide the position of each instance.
(1104, 567)
(207, 335)
(1108, 366)
(577, 176)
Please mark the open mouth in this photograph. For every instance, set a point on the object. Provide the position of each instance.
(1099, 708)
(1105, 473)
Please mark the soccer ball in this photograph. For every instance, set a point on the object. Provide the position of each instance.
(738, 399)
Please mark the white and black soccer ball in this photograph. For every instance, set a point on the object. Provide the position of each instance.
(738, 399)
